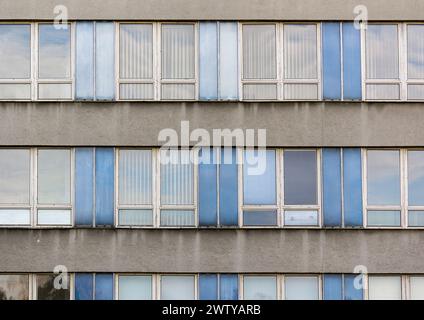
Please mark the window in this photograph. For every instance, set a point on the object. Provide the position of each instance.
(415, 188)
(48, 287)
(15, 62)
(135, 185)
(178, 287)
(14, 287)
(415, 64)
(383, 188)
(301, 288)
(177, 181)
(385, 288)
(297, 53)
(260, 287)
(131, 287)
(54, 187)
(416, 284)
(15, 187)
(54, 73)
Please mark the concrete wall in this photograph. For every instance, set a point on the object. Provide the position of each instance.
(213, 9)
(286, 251)
(308, 124)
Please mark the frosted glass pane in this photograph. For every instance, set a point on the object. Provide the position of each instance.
(14, 287)
(301, 91)
(54, 217)
(416, 218)
(383, 171)
(135, 177)
(178, 51)
(15, 91)
(260, 287)
(382, 52)
(415, 51)
(133, 217)
(300, 51)
(260, 91)
(178, 91)
(384, 288)
(136, 91)
(176, 177)
(177, 288)
(177, 218)
(54, 52)
(383, 92)
(259, 52)
(14, 176)
(417, 288)
(48, 91)
(135, 287)
(136, 51)
(415, 178)
(416, 92)
(54, 176)
(301, 218)
(301, 288)
(384, 218)
(15, 217)
(15, 53)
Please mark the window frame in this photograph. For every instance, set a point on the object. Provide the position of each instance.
(158, 284)
(33, 284)
(404, 287)
(405, 49)
(280, 80)
(278, 283)
(303, 275)
(117, 275)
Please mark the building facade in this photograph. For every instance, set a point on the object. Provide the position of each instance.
(330, 207)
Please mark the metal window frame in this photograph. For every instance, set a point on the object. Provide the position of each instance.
(320, 286)
(158, 283)
(153, 277)
(409, 81)
(242, 276)
(407, 206)
(403, 284)
(33, 284)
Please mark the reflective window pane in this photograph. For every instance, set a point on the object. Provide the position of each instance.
(15, 53)
(260, 218)
(47, 289)
(415, 218)
(259, 51)
(415, 178)
(300, 177)
(14, 287)
(301, 288)
(14, 176)
(135, 287)
(382, 51)
(54, 52)
(177, 288)
(388, 218)
(383, 171)
(384, 288)
(260, 287)
(415, 51)
(54, 176)
(417, 288)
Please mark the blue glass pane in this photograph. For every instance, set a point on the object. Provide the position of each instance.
(353, 289)
(228, 287)
(333, 287)
(83, 286)
(208, 287)
(260, 218)
(104, 286)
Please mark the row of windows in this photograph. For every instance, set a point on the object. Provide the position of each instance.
(84, 286)
(172, 188)
(174, 61)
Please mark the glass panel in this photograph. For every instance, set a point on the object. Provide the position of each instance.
(140, 217)
(15, 53)
(259, 52)
(301, 288)
(260, 91)
(384, 218)
(54, 52)
(177, 288)
(383, 92)
(417, 288)
(14, 176)
(300, 177)
(383, 170)
(15, 91)
(382, 52)
(14, 216)
(135, 287)
(178, 51)
(301, 218)
(136, 91)
(47, 91)
(416, 218)
(384, 288)
(300, 91)
(415, 178)
(14, 287)
(46, 289)
(415, 51)
(415, 92)
(54, 217)
(176, 179)
(54, 176)
(300, 51)
(260, 287)
(178, 91)
(136, 51)
(135, 177)
(259, 218)
(177, 218)
(259, 177)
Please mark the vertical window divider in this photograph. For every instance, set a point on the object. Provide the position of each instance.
(319, 61)
(341, 68)
(72, 186)
(155, 182)
(364, 188)
(35, 190)
(278, 189)
(319, 186)
(72, 62)
(195, 164)
(156, 60)
(157, 188)
(33, 58)
(279, 48)
(117, 59)
(403, 61)
(94, 188)
(240, 59)
(281, 184)
(341, 186)
(404, 188)
(116, 193)
(217, 152)
(240, 160)
(363, 25)
(32, 186)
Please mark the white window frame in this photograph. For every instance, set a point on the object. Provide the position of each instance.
(404, 284)
(158, 284)
(134, 274)
(33, 284)
(278, 283)
(280, 81)
(157, 80)
(405, 183)
(296, 275)
(405, 49)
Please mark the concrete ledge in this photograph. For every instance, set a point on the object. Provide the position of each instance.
(285, 251)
